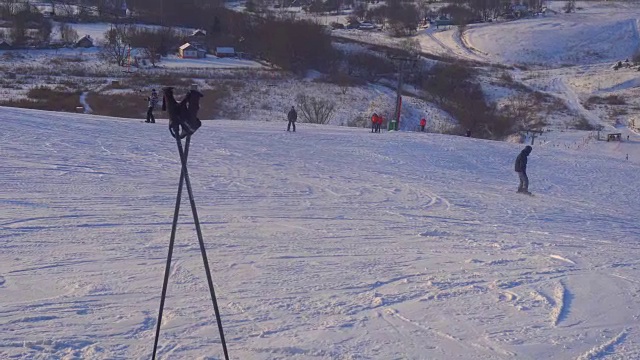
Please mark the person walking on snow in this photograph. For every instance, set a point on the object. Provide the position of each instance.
(374, 122)
(153, 101)
(521, 169)
(292, 116)
(423, 123)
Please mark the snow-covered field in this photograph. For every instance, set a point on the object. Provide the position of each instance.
(330, 243)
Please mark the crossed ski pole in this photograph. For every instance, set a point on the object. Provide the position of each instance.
(184, 178)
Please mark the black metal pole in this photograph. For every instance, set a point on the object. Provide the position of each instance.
(183, 160)
(202, 250)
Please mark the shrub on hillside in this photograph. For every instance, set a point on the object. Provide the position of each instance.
(43, 98)
(358, 121)
(454, 89)
(292, 45)
(314, 110)
(606, 100)
(119, 105)
(581, 123)
(343, 80)
(368, 66)
(140, 80)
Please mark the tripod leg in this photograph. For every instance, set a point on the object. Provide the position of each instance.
(183, 160)
(204, 254)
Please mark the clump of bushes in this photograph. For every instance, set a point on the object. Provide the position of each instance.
(119, 105)
(581, 123)
(454, 88)
(606, 100)
(43, 98)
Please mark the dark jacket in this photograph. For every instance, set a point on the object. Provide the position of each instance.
(193, 102)
(292, 115)
(521, 160)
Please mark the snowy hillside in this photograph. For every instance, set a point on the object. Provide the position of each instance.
(330, 243)
(592, 35)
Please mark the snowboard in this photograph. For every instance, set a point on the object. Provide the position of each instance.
(524, 193)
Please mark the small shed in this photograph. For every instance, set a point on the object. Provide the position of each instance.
(85, 42)
(5, 45)
(225, 52)
(189, 51)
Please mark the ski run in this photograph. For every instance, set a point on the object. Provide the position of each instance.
(327, 243)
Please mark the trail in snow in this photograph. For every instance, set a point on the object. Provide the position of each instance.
(600, 350)
(85, 104)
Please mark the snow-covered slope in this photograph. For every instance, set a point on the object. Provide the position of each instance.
(327, 243)
(596, 33)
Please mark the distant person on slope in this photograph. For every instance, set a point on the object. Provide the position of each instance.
(468, 133)
(153, 101)
(521, 169)
(292, 116)
(423, 123)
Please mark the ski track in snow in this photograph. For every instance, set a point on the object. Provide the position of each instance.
(324, 244)
(561, 258)
(600, 350)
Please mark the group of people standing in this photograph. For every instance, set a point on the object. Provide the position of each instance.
(376, 123)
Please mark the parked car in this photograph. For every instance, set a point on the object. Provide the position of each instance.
(366, 26)
(353, 25)
(336, 25)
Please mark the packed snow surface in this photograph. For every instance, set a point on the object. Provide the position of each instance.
(327, 243)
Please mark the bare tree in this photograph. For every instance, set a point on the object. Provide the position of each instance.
(18, 32)
(10, 8)
(569, 6)
(64, 10)
(44, 31)
(115, 47)
(411, 46)
(67, 33)
(360, 10)
(423, 8)
(315, 111)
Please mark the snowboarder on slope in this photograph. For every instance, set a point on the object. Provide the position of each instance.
(292, 116)
(153, 101)
(521, 169)
(423, 123)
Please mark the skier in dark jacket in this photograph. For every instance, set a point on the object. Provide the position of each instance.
(153, 101)
(292, 116)
(521, 169)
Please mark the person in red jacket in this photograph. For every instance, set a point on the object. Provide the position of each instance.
(374, 122)
(423, 123)
(379, 123)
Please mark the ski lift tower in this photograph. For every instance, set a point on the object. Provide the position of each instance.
(403, 63)
(533, 133)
